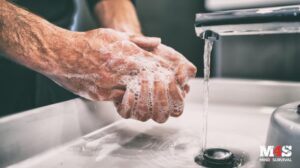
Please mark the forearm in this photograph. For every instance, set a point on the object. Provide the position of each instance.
(119, 15)
(27, 38)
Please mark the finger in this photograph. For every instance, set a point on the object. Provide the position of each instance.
(143, 110)
(102, 94)
(160, 102)
(148, 43)
(184, 72)
(105, 36)
(126, 106)
(181, 75)
(124, 48)
(168, 54)
(191, 70)
(184, 69)
(186, 88)
(90, 96)
(116, 95)
(176, 99)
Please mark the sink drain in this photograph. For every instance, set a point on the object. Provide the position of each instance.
(219, 158)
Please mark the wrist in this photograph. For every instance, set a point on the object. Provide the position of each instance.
(51, 43)
(119, 15)
(64, 49)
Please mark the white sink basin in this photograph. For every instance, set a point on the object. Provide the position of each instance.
(239, 115)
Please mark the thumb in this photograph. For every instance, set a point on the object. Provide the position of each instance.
(147, 43)
(116, 96)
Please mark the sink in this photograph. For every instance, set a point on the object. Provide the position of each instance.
(80, 133)
(284, 131)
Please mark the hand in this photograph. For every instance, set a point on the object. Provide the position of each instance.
(184, 69)
(88, 58)
(173, 60)
(121, 15)
(104, 64)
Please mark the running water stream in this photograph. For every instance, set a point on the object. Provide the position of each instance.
(206, 56)
(213, 157)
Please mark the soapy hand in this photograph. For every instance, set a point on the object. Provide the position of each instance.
(173, 60)
(104, 64)
(183, 68)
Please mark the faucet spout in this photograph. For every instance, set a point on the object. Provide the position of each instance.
(274, 20)
(209, 35)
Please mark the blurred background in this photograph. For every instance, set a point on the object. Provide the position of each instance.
(269, 57)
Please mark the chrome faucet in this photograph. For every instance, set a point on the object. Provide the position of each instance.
(284, 19)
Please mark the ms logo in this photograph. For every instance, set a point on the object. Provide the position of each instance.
(276, 153)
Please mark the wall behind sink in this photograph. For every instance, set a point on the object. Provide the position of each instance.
(271, 57)
(274, 57)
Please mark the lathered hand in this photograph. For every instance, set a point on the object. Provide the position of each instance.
(105, 64)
